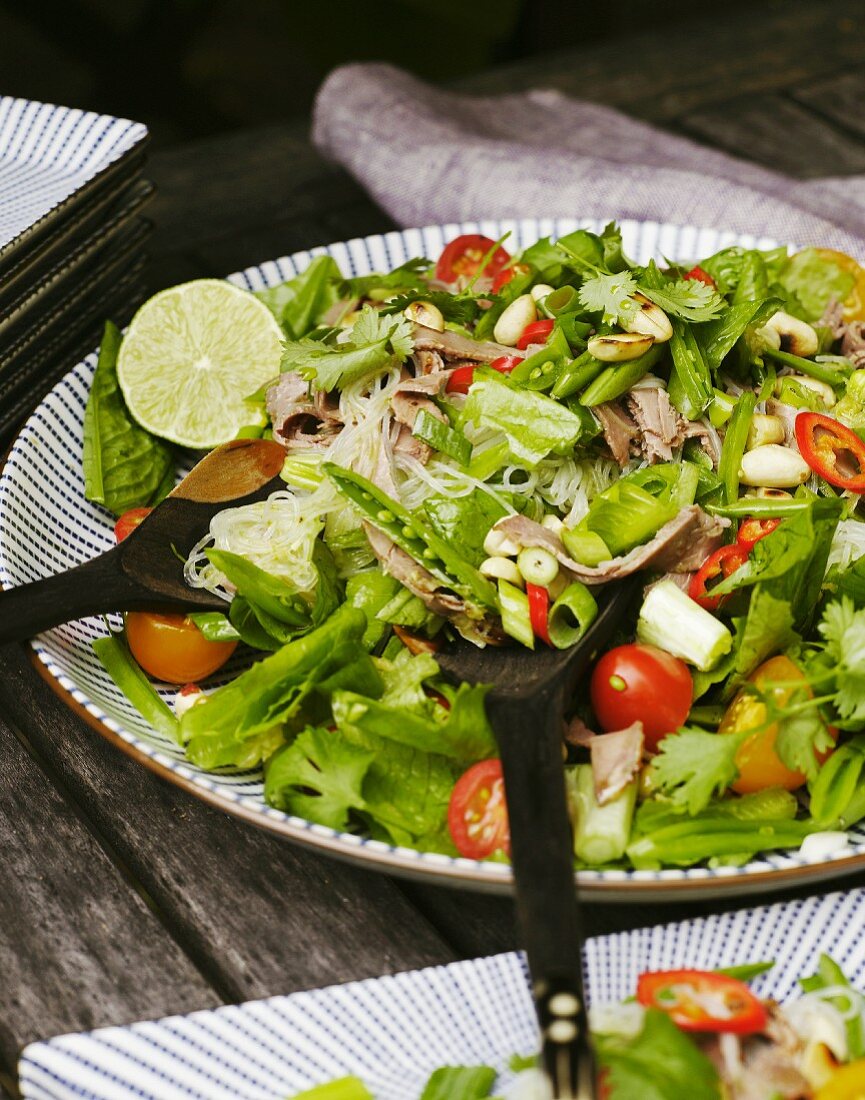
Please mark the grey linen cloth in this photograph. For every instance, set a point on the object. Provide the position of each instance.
(430, 156)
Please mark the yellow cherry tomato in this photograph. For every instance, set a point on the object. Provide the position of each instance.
(854, 303)
(172, 648)
(758, 764)
(847, 1083)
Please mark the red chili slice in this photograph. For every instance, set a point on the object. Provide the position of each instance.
(508, 273)
(698, 1000)
(539, 608)
(701, 276)
(725, 560)
(752, 530)
(464, 255)
(538, 332)
(832, 450)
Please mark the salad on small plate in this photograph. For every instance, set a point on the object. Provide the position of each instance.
(475, 445)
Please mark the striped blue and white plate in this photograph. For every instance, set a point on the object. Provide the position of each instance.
(48, 154)
(46, 526)
(393, 1031)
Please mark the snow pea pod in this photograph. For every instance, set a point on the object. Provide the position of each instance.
(615, 381)
(734, 445)
(411, 533)
(834, 375)
(706, 836)
(577, 374)
(837, 781)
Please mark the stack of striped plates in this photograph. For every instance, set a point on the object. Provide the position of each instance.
(71, 241)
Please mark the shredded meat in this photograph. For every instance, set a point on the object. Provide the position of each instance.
(616, 759)
(660, 426)
(708, 437)
(853, 343)
(833, 318)
(756, 1067)
(452, 345)
(408, 444)
(620, 432)
(427, 362)
(681, 546)
(298, 421)
(413, 394)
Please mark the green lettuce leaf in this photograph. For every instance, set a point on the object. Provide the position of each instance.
(534, 425)
(299, 304)
(464, 521)
(814, 280)
(460, 1083)
(124, 465)
(661, 1063)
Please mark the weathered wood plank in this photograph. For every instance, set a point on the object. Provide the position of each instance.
(258, 915)
(778, 133)
(659, 73)
(839, 98)
(78, 946)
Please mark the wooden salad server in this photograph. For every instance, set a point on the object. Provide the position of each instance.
(145, 571)
(526, 710)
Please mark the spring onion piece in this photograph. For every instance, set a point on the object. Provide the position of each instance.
(734, 445)
(601, 833)
(576, 605)
(120, 665)
(673, 621)
(721, 408)
(538, 566)
(516, 618)
(586, 547)
(442, 437)
(302, 472)
(616, 380)
(563, 300)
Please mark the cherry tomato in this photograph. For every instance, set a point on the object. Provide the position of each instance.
(845, 1083)
(758, 764)
(172, 648)
(831, 448)
(462, 377)
(539, 609)
(752, 530)
(478, 814)
(464, 256)
(641, 683)
(854, 303)
(538, 332)
(127, 523)
(702, 276)
(698, 1000)
(726, 560)
(508, 273)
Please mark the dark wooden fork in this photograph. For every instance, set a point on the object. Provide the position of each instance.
(526, 708)
(145, 572)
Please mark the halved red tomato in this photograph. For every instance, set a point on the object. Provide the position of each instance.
(699, 1000)
(127, 523)
(508, 273)
(701, 276)
(478, 814)
(462, 377)
(464, 255)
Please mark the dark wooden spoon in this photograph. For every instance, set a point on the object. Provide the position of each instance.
(526, 708)
(145, 571)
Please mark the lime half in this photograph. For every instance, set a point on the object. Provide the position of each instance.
(191, 356)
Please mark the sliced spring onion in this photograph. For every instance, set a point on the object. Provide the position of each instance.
(721, 408)
(759, 507)
(302, 472)
(586, 547)
(571, 615)
(537, 566)
(516, 619)
(442, 437)
(734, 445)
(601, 833)
(120, 665)
(672, 621)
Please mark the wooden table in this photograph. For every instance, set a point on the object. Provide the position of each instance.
(122, 897)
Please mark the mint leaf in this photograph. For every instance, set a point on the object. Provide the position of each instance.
(692, 766)
(661, 1063)
(610, 295)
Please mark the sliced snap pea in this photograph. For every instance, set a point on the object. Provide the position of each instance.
(615, 381)
(577, 374)
(571, 615)
(734, 445)
(118, 662)
(835, 376)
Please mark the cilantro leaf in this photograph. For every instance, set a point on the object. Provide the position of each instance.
(687, 298)
(459, 308)
(320, 777)
(802, 734)
(375, 343)
(843, 628)
(661, 1063)
(692, 765)
(610, 295)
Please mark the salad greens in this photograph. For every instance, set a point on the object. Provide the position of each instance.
(476, 446)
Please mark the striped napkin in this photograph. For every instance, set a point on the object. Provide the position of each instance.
(431, 156)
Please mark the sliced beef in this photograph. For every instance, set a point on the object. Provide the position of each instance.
(620, 432)
(452, 345)
(413, 394)
(708, 437)
(660, 426)
(616, 759)
(409, 445)
(833, 318)
(434, 595)
(299, 422)
(681, 546)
